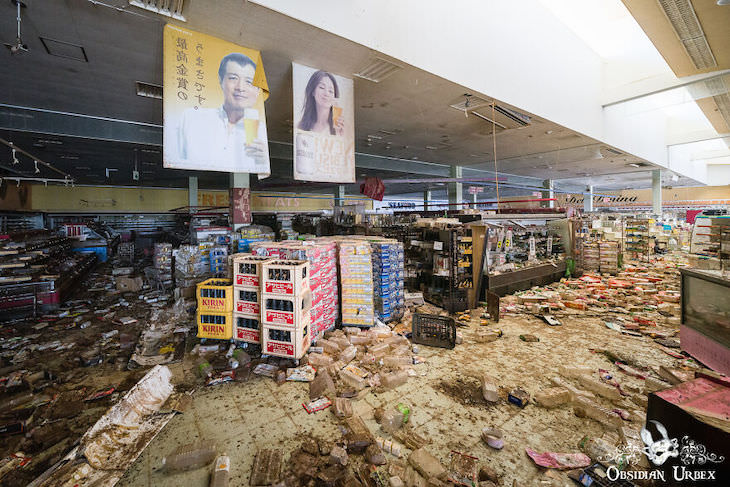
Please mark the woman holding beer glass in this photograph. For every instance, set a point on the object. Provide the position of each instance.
(321, 114)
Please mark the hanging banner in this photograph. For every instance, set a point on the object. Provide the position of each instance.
(324, 126)
(240, 201)
(213, 104)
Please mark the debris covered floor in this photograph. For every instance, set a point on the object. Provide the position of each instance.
(445, 399)
(632, 318)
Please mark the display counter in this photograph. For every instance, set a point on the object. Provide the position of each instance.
(705, 329)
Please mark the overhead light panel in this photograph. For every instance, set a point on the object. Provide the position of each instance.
(377, 70)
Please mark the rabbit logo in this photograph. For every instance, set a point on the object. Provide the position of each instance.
(661, 450)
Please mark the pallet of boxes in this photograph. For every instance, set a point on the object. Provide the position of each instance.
(247, 296)
(286, 302)
(215, 309)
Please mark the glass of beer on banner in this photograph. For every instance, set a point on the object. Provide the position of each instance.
(251, 126)
(336, 114)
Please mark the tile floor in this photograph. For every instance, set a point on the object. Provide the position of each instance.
(243, 417)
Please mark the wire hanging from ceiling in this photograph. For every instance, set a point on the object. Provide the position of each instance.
(494, 148)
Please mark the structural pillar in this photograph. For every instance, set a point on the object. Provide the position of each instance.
(340, 195)
(548, 184)
(656, 192)
(238, 180)
(192, 192)
(588, 199)
(474, 201)
(455, 190)
(427, 200)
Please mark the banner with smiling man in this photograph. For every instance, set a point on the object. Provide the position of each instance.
(324, 126)
(213, 104)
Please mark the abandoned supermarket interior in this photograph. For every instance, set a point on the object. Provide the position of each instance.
(364, 243)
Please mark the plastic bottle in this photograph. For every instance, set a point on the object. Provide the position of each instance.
(221, 472)
(205, 369)
(391, 381)
(402, 361)
(191, 456)
(348, 354)
(391, 421)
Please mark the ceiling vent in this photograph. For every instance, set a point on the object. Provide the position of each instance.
(609, 152)
(502, 118)
(64, 49)
(168, 8)
(377, 70)
(468, 102)
(683, 18)
(148, 90)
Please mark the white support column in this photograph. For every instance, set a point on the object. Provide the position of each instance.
(588, 199)
(656, 192)
(427, 200)
(238, 180)
(340, 195)
(192, 192)
(474, 201)
(455, 190)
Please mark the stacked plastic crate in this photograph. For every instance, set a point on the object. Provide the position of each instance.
(163, 264)
(219, 260)
(388, 273)
(356, 278)
(286, 302)
(247, 272)
(215, 309)
(322, 257)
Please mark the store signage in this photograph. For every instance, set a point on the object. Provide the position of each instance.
(324, 126)
(213, 104)
(550, 245)
(437, 245)
(240, 199)
(476, 189)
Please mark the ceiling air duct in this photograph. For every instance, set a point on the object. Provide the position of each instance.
(683, 18)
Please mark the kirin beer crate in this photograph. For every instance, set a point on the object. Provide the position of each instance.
(215, 295)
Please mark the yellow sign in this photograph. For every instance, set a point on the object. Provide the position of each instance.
(213, 104)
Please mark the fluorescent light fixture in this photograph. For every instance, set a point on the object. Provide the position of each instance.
(634, 164)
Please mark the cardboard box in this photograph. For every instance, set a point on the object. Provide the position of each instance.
(286, 277)
(247, 269)
(246, 328)
(286, 342)
(282, 310)
(129, 284)
(247, 300)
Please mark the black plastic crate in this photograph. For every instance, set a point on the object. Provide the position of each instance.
(433, 330)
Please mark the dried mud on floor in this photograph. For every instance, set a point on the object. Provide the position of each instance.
(445, 399)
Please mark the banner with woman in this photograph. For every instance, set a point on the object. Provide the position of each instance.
(324, 126)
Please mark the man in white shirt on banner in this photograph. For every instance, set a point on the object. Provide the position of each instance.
(231, 138)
